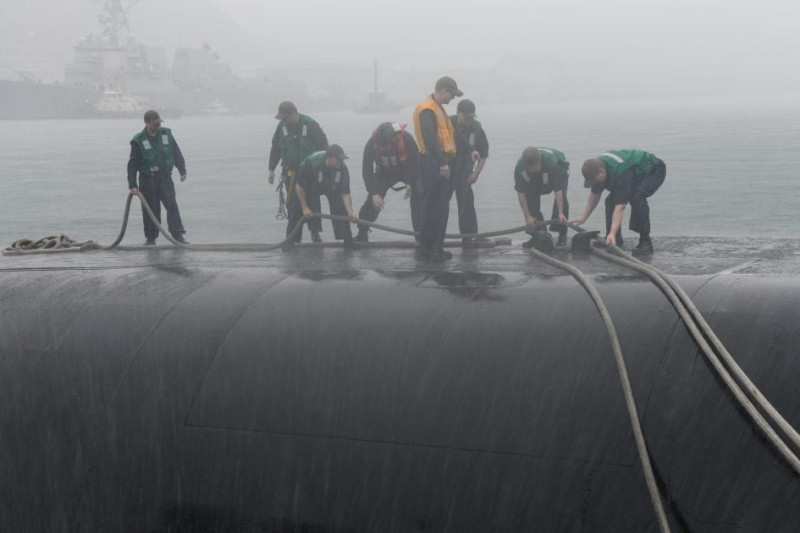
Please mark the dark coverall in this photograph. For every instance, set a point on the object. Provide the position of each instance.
(461, 170)
(436, 189)
(628, 189)
(552, 179)
(332, 183)
(292, 163)
(378, 179)
(157, 189)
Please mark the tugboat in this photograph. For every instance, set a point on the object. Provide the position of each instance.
(376, 100)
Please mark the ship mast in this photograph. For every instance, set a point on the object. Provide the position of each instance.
(375, 75)
(114, 18)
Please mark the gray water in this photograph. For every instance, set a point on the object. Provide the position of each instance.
(731, 169)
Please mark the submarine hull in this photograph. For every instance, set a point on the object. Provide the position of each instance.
(171, 395)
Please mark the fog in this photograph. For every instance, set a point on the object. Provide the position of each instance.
(581, 48)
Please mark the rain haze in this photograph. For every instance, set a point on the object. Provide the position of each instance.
(434, 373)
(693, 82)
(574, 49)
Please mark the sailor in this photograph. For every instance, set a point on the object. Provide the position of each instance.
(437, 148)
(542, 171)
(631, 177)
(296, 137)
(325, 173)
(390, 157)
(472, 149)
(154, 152)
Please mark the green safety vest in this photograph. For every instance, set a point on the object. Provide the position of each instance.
(554, 162)
(296, 146)
(320, 184)
(156, 157)
(462, 164)
(618, 161)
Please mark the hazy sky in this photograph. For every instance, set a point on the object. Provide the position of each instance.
(703, 43)
(475, 32)
(714, 43)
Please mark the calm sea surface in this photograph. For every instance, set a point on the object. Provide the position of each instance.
(732, 168)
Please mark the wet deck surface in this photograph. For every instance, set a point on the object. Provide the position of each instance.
(683, 256)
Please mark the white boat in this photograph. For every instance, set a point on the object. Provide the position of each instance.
(119, 104)
(216, 109)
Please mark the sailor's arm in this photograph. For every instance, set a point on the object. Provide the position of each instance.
(591, 203)
(530, 221)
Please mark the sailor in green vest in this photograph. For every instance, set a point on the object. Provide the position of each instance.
(325, 173)
(472, 149)
(631, 177)
(296, 137)
(542, 171)
(154, 153)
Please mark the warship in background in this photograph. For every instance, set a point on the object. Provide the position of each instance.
(112, 76)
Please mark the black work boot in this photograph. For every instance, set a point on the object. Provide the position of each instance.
(363, 236)
(540, 240)
(440, 255)
(562, 238)
(644, 248)
(315, 236)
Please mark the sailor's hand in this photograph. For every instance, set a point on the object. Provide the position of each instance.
(407, 195)
(134, 191)
(353, 218)
(611, 238)
(530, 221)
(377, 202)
(271, 177)
(475, 156)
(183, 177)
(577, 221)
(562, 218)
(307, 212)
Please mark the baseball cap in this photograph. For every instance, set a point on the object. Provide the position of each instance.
(467, 107)
(449, 84)
(336, 151)
(589, 170)
(151, 115)
(384, 133)
(285, 109)
(531, 155)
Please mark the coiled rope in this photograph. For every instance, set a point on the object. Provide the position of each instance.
(53, 243)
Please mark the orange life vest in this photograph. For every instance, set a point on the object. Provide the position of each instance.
(444, 127)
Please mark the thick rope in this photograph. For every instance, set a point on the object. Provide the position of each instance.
(727, 358)
(694, 322)
(18, 249)
(51, 244)
(630, 402)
